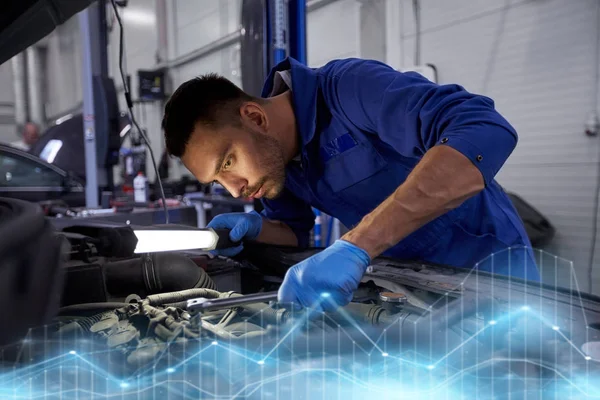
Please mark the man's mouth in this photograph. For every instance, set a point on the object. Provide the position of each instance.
(259, 193)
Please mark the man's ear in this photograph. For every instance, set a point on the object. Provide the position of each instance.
(254, 114)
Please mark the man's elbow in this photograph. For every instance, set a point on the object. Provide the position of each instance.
(512, 139)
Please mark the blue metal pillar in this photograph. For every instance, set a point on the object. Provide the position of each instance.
(279, 31)
(297, 12)
(297, 21)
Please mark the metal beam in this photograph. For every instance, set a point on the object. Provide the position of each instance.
(217, 45)
(34, 86)
(20, 92)
(87, 21)
(313, 5)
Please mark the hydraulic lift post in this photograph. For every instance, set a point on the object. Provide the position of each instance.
(88, 19)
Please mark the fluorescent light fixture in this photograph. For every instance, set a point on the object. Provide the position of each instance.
(125, 130)
(139, 17)
(153, 241)
(50, 150)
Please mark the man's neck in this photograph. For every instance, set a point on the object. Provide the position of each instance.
(283, 124)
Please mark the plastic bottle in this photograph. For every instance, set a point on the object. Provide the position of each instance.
(140, 188)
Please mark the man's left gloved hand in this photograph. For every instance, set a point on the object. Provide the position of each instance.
(326, 280)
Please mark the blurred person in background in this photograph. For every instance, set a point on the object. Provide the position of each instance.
(29, 136)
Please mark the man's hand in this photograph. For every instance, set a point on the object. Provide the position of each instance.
(326, 280)
(244, 226)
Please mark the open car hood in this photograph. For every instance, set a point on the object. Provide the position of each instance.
(24, 22)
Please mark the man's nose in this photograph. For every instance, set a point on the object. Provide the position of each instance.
(235, 186)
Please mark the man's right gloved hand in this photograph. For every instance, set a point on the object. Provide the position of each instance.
(244, 226)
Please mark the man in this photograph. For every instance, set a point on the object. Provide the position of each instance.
(408, 164)
(30, 136)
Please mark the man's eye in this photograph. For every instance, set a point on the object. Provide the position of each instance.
(227, 164)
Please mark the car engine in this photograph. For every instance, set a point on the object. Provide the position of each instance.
(129, 327)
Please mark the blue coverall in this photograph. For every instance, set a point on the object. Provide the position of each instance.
(363, 127)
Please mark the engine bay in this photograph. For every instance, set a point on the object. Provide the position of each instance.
(131, 327)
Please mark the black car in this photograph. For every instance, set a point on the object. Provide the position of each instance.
(27, 177)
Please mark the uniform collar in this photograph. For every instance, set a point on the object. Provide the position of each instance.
(304, 95)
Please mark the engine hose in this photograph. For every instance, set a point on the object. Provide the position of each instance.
(183, 295)
(87, 323)
(87, 307)
(155, 273)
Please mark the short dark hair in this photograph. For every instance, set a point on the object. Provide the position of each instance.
(209, 99)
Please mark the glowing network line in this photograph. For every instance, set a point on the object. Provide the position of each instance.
(102, 372)
(21, 379)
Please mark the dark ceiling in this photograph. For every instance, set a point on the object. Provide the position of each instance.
(24, 22)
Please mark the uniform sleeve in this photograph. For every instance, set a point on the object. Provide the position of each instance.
(294, 212)
(412, 114)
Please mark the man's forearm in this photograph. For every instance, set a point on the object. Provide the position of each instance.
(278, 233)
(443, 179)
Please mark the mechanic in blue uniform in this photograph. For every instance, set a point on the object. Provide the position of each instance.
(407, 164)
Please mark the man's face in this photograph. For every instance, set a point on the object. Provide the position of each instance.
(30, 134)
(246, 162)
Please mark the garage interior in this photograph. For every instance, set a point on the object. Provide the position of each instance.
(89, 178)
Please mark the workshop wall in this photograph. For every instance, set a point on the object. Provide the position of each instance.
(64, 91)
(8, 132)
(539, 61)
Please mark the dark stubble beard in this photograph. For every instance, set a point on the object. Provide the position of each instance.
(271, 162)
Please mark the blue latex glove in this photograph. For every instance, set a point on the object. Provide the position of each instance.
(326, 280)
(244, 226)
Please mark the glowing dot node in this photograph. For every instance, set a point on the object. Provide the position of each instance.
(588, 358)
(124, 384)
(525, 308)
(170, 370)
(430, 367)
(385, 354)
(555, 328)
(214, 343)
(493, 322)
(73, 352)
(261, 362)
(325, 295)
